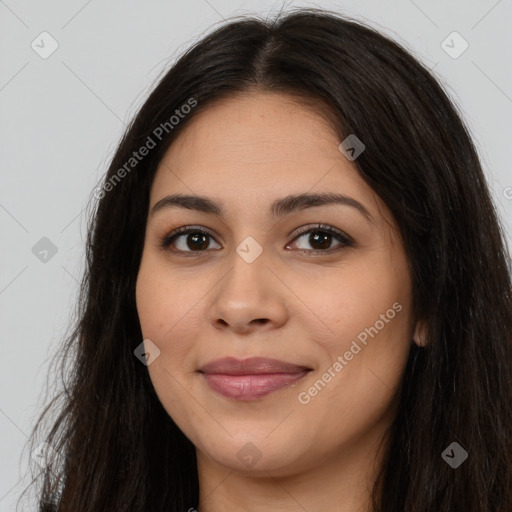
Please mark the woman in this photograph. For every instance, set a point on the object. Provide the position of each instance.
(297, 294)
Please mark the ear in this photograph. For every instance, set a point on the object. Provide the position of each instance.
(420, 334)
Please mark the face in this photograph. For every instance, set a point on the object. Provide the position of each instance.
(255, 276)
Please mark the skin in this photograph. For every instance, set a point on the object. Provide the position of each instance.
(290, 304)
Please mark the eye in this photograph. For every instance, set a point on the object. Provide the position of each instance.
(321, 237)
(192, 239)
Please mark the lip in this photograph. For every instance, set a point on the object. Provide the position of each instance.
(250, 379)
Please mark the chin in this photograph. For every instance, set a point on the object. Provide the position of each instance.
(257, 456)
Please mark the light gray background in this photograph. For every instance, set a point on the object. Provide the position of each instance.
(61, 118)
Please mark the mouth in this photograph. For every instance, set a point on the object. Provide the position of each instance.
(251, 379)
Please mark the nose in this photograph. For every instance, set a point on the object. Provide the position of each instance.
(249, 297)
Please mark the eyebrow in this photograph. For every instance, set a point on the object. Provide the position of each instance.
(279, 208)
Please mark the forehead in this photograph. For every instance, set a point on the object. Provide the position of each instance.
(256, 128)
(253, 148)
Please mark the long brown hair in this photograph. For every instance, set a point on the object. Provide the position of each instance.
(119, 449)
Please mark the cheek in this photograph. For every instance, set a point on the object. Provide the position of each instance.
(356, 383)
(165, 306)
(163, 298)
(348, 300)
(149, 298)
(366, 311)
(170, 308)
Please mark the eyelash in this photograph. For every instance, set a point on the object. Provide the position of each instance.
(345, 240)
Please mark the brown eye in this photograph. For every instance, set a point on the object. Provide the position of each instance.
(188, 240)
(197, 241)
(320, 239)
